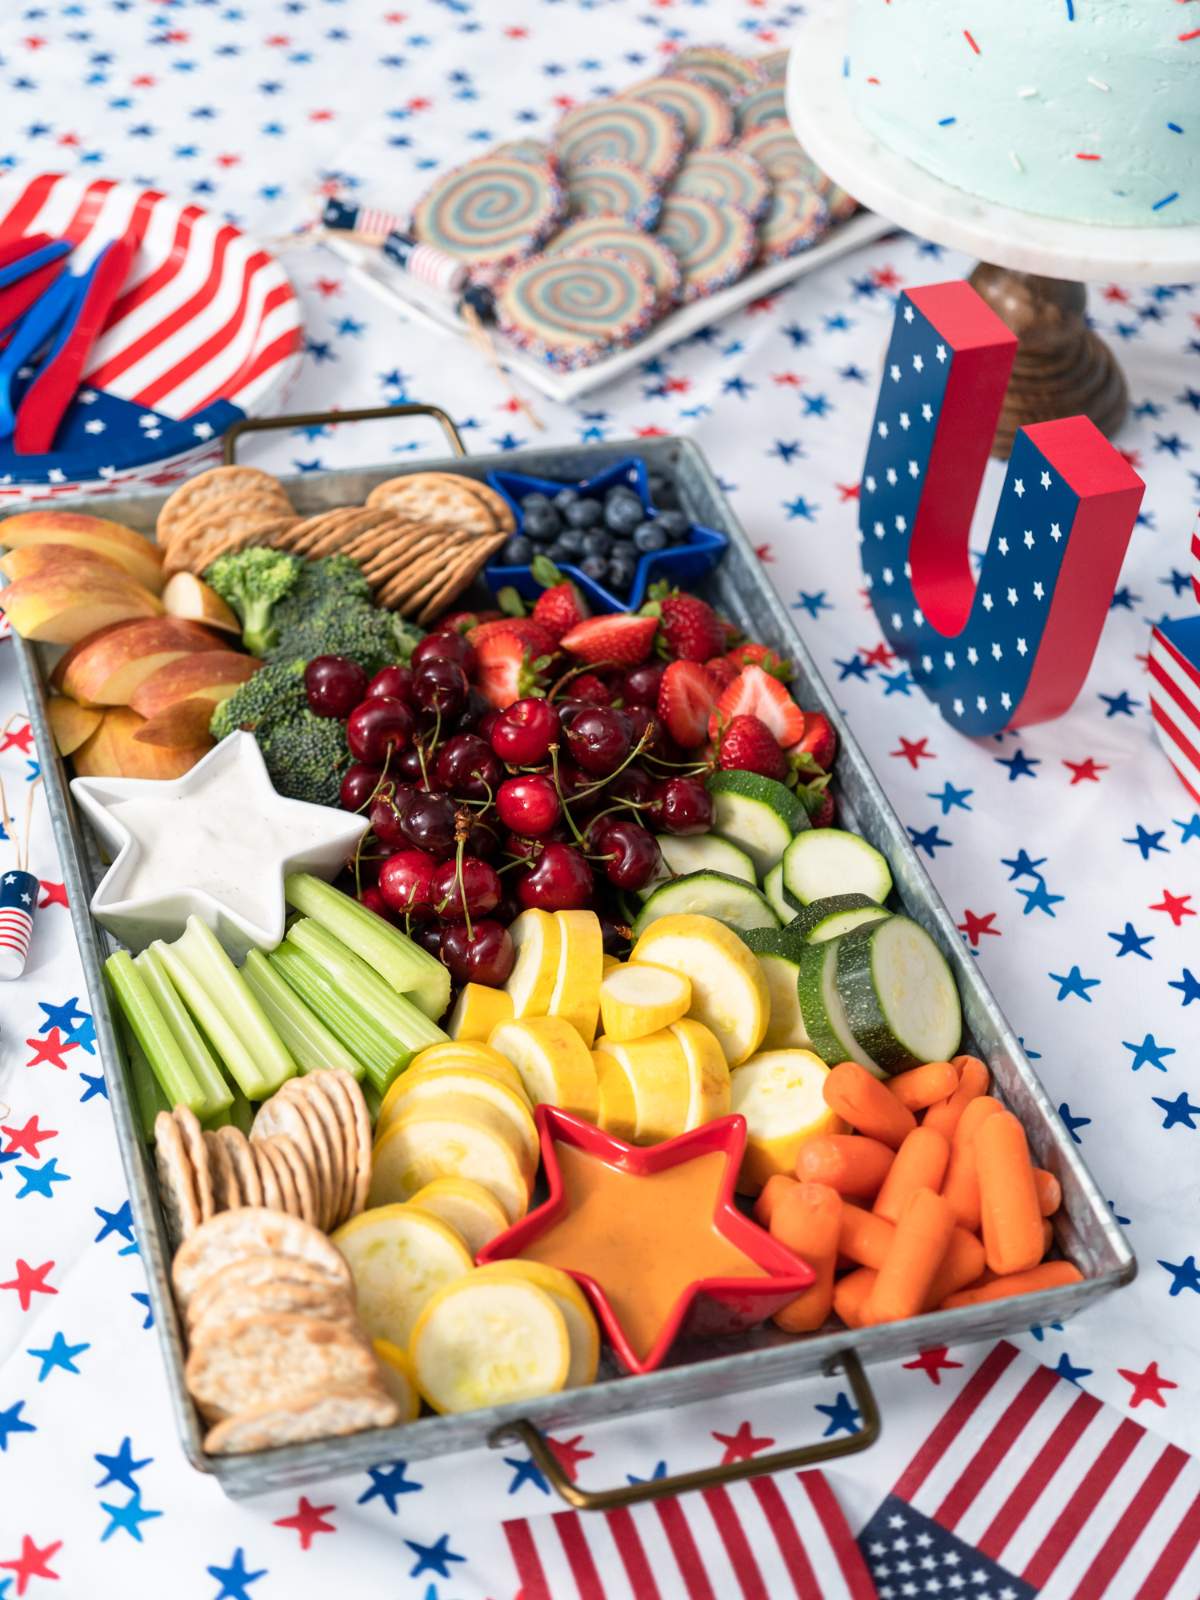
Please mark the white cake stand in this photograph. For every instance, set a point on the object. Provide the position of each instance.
(1030, 267)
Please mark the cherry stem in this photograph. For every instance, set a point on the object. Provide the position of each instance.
(562, 799)
(458, 878)
(592, 788)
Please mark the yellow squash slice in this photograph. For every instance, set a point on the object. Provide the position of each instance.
(576, 994)
(781, 1095)
(537, 940)
(554, 1064)
(657, 1074)
(708, 1072)
(729, 992)
(477, 1011)
(487, 1342)
(582, 1328)
(471, 1210)
(636, 1000)
(398, 1259)
(448, 1085)
(425, 1144)
(395, 1369)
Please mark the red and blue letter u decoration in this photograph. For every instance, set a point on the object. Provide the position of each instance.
(1014, 645)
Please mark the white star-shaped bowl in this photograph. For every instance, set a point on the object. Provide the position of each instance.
(216, 844)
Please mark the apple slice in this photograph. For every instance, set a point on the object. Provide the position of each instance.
(71, 724)
(113, 751)
(54, 607)
(139, 558)
(183, 726)
(208, 675)
(63, 559)
(186, 595)
(109, 669)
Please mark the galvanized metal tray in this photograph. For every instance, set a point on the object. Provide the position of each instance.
(1085, 1231)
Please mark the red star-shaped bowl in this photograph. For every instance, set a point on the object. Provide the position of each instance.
(704, 1306)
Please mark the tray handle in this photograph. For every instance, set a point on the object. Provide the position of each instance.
(807, 1455)
(313, 419)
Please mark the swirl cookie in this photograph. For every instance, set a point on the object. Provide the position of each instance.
(728, 178)
(604, 235)
(796, 219)
(613, 189)
(704, 115)
(713, 244)
(629, 131)
(570, 310)
(490, 212)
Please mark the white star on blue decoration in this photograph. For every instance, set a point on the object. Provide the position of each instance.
(1132, 943)
(121, 1467)
(1022, 865)
(1039, 898)
(814, 604)
(1187, 983)
(40, 1180)
(129, 1518)
(57, 1354)
(526, 1471)
(236, 1578)
(1179, 1112)
(1073, 983)
(434, 1557)
(1066, 1369)
(929, 840)
(1073, 1122)
(1148, 1053)
(1147, 841)
(1184, 1275)
(1119, 705)
(843, 1416)
(949, 798)
(388, 1481)
(12, 1422)
(1019, 765)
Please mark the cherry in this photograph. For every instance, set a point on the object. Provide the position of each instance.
(485, 956)
(372, 898)
(476, 896)
(440, 687)
(640, 687)
(445, 647)
(523, 732)
(615, 935)
(598, 739)
(528, 805)
(568, 710)
(407, 765)
(634, 855)
(406, 879)
(482, 840)
(644, 727)
(522, 848)
(467, 767)
(377, 726)
(578, 789)
(474, 712)
(633, 785)
(334, 685)
(387, 822)
(560, 881)
(429, 936)
(393, 682)
(683, 805)
(359, 783)
(428, 823)
(487, 721)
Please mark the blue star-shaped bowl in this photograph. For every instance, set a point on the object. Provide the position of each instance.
(682, 564)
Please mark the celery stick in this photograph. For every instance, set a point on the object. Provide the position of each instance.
(199, 1057)
(147, 1092)
(406, 967)
(381, 1054)
(241, 1112)
(374, 1100)
(305, 1035)
(398, 1013)
(213, 991)
(150, 1029)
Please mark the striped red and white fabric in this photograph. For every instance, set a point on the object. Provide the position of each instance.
(764, 1539)
(1048, 1490)
(1196, 561)
(1175, 695)
(18, 903)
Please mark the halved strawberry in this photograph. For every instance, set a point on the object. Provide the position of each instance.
(619, 638)
(686, 700)
(507, 668)
(818, 740)
(691, 629)
(755, 693)
(465, 621)
(748, 745)
(721, 672)
(560, 606)
(750, 654)
(540, 640)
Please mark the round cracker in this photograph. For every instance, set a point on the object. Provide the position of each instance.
(261, 1360)
(252, 1230)
(436, 497)
(289, 1196)
(176, 1186)
(270, 1297)
(196, 553)
(460, 577)
(325, 1083)
(226, 1195)
(322, 1116)
(242, 1161)
(395, 533)
(302, 1176)
(417, 575)
(318, 526)
(284, 1114)
(272, 1193)
(264, 533)
(317, 1414)
(362, 1138)
(506, 522)
(197, 1154)
(249, 1271)
(337, 538)
(212, 486)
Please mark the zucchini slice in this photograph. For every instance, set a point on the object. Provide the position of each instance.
(835, 915)
(759, 815)
(708, 894)
(829, 861)
(825, 1018)
(781, 901)
(778, 955)
(699, 852)
(898, 994)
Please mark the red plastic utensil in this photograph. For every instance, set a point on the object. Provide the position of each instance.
(51, 392)
(706, 1307)
(16, 300)
(13, 249)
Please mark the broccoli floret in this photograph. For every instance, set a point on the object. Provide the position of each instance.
(329, 613)
(306, 757)
(253, 582)
(274, 695)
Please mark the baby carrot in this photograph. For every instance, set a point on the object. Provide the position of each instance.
(961, 1187)
(807, 1221)
(961, 1265)
(1047, 1236)
(850, 1295)
(1008, 1201)
(865, 1238)
(1050, 1275)
(973, 1081)
(773, 1191)
(866, 1105)
(1049, 1191)
(847, 1162)
(920, 1164)
(925, 1086)
(918, 1250)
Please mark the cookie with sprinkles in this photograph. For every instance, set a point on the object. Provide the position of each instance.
(533, 151)
(490, 212)
(571, 310)
(713, 244)
(631, 131)
(761, 107)
(778, 151)
(704, 115)
(594, 235)
(796, 218)
(842, 206)
(729, 177)
(774, 65)
(613, 189)
(723, 70)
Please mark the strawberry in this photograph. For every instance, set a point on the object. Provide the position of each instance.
(540, 640)
(691, 629)
(818, 740)
(686, 700)
(618, 639)
(755, 693)
(721, 672)
(560, 606)
(748, 745)
(587, 686)
(466, 621)
(823, 815)
(750, 654)
(507, 669)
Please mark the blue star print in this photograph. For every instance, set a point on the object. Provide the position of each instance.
(1065, 1369)
(1146, 841)
(929, 840)
(1119, 704)
(1022, 865)
(526, 1471)
(1179, 1112)
(1039, 898)
(39, 1180)
(1187, 983)
(12, 1422)
(121, 1467)
(58, 1353)
(388, 1480)
(1132, 943)
(1019, 765)
(434, 1557)
(119, 1221)
(235, 1579)
(1073, 983)
(1189, 827)
(1073, 1122)
(948, 797)
(1148, 1053)
(129, 1518)
(843, 1417)
(1184, 1275)
(813, 604)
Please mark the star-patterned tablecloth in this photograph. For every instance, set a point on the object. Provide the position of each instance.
(1069, 854)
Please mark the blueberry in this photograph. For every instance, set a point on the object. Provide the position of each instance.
(518, 552)
(675, 525)
(597, 542)
(621, 573)
(542, 523)
(584, 513)
(535, 502)
(594, 567)
(622, 512)
(558, 553)
(662, 491)
(565, 498)
(571, 540)
(649, 537)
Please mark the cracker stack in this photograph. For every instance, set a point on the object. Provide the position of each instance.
(219, 511)
(325, 1117)
(276, 1355)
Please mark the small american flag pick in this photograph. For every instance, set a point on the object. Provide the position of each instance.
(1014, 646)
(1175, 686)
(18, 902)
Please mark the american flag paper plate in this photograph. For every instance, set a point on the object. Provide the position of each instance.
(206, 329)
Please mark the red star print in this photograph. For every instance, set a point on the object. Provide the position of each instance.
(326, 287)
(1086, 771)
(791, 380)
(975, 925)
(50, 1049)
(885, 277)
(1134, 457)
(743, 1444)
(33, 1562)
(511, 404)
(764, 552)
(143, 81)
(1146, 1385)
(847, 491)
(308, 1521)
(34, 43)
(564, 102)
(650, 433)
(28, 1138)
(19, 739)
(516, 33)
(30, 1281)
(395, 16)
(765, 302)
(55, 894)
(1175, 905)
(420, 103)
(568, 1454)
(677, 385)
(1114, 292)
(229, 161)
(70, 140)
(321, 116)
(279, 41)
(881, 656)
(176, 36)
(914, 752)
(932, 1363)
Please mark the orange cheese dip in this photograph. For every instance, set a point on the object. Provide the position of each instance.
(643, 1239)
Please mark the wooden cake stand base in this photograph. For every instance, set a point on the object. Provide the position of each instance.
(1062, 368)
